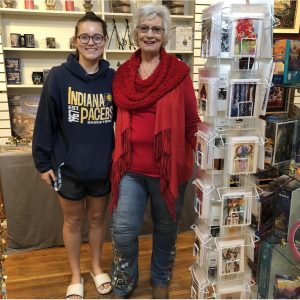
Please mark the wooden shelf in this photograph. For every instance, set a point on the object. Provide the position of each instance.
(38, 12)
(24, 86)
(23, 49)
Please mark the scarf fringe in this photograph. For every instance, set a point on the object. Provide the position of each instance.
(119, 168)
(162, 146)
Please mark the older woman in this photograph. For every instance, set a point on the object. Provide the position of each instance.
(155, 137)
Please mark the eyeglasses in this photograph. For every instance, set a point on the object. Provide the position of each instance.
(155, 29)
(85, 38)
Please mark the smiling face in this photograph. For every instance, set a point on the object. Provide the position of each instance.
(89, 52)
(149, 42)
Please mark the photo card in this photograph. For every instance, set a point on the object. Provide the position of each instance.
(203, 97)
(243, 154)
(199, 251)
(236, 207)
(208, 92)
(202, 199)
(231, 257)
(199, 281)
(206, 37)
(243, 98)
(202, 150)
(204, 147)
(246, 35)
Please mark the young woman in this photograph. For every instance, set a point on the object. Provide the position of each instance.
(73, 142)
(155, 135)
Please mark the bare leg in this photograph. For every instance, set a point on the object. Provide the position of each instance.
(96, 207)
(73, 216)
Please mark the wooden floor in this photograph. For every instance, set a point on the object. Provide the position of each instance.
(44, 274)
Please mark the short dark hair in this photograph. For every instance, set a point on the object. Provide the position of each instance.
(90, 16)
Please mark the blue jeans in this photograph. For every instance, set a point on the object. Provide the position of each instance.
(127, 222)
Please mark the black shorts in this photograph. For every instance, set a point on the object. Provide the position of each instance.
(72, 189)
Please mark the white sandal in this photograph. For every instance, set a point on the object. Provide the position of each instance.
(76, 289)
(101, 279)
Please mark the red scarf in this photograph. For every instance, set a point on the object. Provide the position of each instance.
(164, 88)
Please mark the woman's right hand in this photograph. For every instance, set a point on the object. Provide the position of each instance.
(49, 177)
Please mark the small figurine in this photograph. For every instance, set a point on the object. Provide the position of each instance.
(50, 4)
(292, 168)
(87, 5)
(9, 3)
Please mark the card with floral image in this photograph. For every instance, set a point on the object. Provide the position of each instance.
(246, 36)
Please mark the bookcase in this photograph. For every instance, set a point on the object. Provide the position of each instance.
(233, 89)
(59, 24)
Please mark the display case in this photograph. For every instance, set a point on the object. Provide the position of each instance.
(275, 259)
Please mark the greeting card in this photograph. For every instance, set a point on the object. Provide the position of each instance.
(243, 154)
(246, 36)
(231, 257)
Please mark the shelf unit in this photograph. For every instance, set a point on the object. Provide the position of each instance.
(60, 24)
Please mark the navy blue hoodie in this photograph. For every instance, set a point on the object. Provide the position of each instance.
(74, 122)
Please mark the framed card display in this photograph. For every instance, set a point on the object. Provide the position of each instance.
(231, 257)
(243, 154)
(292, 63)
(236, 208)
(287, 13)
(278, 99)
(243, 98)
(279, 52)
(284, 141)
(246, 36)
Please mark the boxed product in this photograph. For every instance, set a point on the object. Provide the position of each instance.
(22, 111)
(182, 38)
